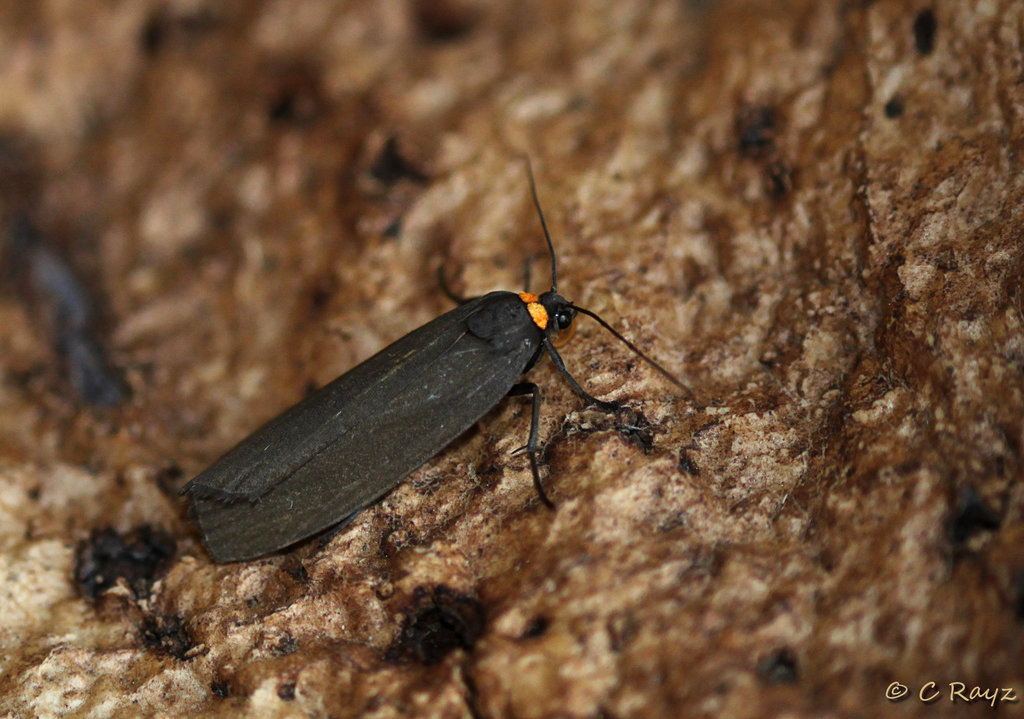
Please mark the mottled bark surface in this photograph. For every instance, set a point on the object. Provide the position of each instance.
(809, 210)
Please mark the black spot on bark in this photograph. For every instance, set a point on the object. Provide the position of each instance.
(633, 425)
(537, 626)
(779, 667)
(167, 634)
(779, 179)
(924, 31)
(755, 130)
(296, 94)
(687, 465)
(163, 29)
(138, 557)
(971, 516)
(894, 108)
(444, 20)
(390, 166)
(440, 622)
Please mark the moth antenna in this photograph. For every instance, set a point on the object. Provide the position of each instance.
(636, 350)
(543, 223)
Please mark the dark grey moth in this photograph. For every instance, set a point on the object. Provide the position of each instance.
(319, 463)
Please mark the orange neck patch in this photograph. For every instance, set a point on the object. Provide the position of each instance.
(538, 314)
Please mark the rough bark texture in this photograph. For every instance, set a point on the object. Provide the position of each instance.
(809, 210)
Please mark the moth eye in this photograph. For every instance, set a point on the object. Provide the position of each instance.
(566, 324)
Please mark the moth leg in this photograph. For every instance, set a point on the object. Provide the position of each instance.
(609, 407)
(530, 388)
(443, 282)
